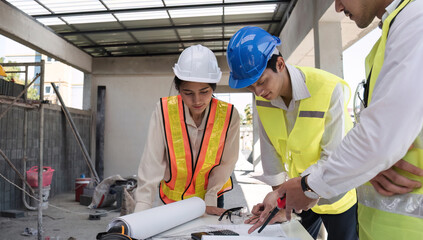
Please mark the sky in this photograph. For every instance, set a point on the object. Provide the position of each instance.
(9, 47)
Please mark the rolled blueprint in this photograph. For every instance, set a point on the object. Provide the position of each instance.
(153, 221)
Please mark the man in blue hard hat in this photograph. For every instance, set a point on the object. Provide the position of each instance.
(389, 128)
(303, 117)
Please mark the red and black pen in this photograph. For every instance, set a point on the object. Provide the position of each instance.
(281, 205)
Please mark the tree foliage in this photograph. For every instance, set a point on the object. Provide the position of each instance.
(248, 119)
(32, 93)
(10, 76)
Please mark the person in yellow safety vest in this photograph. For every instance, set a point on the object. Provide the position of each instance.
(193, 139)
(303, 117)
(389, 128)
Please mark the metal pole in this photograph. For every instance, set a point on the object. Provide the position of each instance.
(76, 133)
(40, 176)
(26, 82)
(41, 163)
(24, 159)
(42, 80)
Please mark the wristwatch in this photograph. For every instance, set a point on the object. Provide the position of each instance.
(307, 190)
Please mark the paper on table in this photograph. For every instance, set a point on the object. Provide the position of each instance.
(153, 221)
(211, 237)
(273, 230)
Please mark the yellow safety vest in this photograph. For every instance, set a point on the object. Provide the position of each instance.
(187, 177)
(301, 148)
(400, 216)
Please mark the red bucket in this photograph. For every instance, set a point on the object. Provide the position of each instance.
(80, 184)
(32, 176)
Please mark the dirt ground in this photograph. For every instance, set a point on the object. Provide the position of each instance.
(69, 222)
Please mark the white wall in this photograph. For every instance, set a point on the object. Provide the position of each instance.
(133, 87)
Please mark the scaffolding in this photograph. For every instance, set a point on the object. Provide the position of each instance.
(13, 101)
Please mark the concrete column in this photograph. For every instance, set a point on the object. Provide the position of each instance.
(256, 139)
(301, 22)
(328, 47)
(86, 95)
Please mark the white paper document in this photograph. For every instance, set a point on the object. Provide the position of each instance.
(273, 230)
(211, 237)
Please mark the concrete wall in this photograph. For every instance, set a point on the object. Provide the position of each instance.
(302, 19)
(133, 87)
(61, 150)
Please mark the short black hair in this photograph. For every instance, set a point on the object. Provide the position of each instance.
(178, 83)
(272, 62)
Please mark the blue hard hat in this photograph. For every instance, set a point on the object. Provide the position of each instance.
(247, 54)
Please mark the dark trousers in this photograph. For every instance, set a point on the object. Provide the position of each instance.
(220, 202)
(339, 226)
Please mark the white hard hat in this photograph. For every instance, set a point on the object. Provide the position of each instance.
(197, 64)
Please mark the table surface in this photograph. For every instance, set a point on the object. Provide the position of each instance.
(293, 229)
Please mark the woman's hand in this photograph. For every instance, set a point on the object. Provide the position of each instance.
(214, 210)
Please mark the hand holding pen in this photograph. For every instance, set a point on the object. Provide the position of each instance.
(263, 210)
(281, 204)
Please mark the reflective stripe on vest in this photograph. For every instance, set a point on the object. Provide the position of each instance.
(398, 216)
(186, 179)
(409, 204)
(302, 147)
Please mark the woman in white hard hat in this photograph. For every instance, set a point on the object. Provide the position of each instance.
(193, 139)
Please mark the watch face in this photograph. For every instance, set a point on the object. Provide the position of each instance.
(311, 195)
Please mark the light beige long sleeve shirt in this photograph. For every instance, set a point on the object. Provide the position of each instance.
(154, 165)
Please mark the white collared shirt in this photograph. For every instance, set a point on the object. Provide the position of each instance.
(273, 169)
(390, 8)
(393, 120)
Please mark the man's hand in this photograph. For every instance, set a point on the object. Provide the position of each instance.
(295, 200)
(258, 209)
(269, 203)
(214, 210)
(390, 182)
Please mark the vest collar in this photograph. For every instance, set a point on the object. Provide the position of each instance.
(389, 9)
(299, 89)
(190, 121)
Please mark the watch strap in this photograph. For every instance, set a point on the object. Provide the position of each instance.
(304, 185)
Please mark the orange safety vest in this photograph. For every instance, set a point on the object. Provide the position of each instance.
(189, 178)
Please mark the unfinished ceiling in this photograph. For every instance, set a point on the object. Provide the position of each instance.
(114, 28)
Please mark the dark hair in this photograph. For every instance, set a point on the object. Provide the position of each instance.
(272, 62)
(178, 83)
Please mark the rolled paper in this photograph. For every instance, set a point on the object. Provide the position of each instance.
(153, 221)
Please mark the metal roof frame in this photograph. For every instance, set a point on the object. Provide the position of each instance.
(166, 36)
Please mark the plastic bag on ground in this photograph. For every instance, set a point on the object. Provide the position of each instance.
(102, 196)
